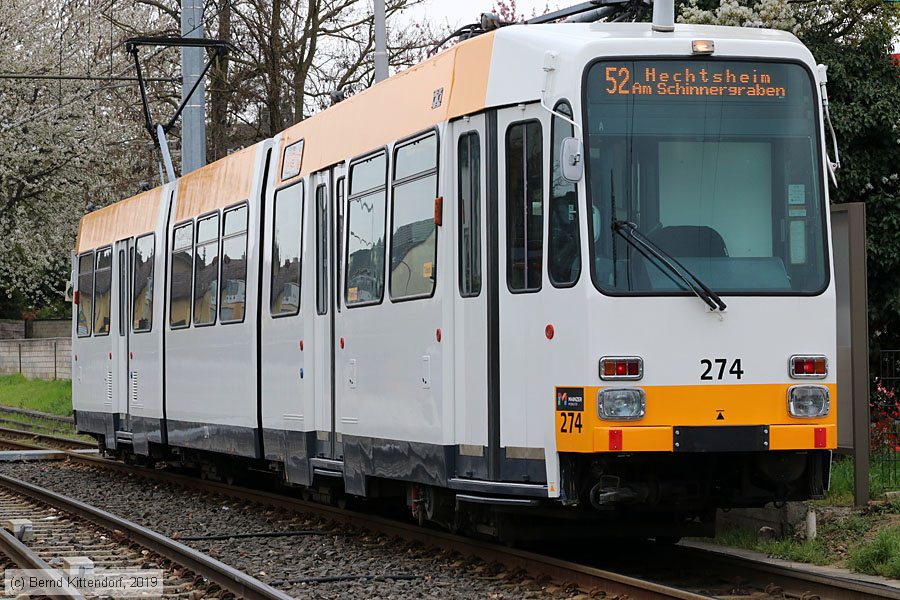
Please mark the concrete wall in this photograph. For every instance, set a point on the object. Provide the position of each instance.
(56, 328)
(788, 519)
(14, 329)
(11, 329)
(49, 358)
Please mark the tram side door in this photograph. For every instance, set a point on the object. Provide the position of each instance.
(323, 357)
(337, 256)
(526, 324)
(122, 278)
(469, 208)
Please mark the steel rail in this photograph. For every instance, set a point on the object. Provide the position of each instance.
(17, 445)
(36, 414)
(227, 577)
(797, 582)
(29, 427)
(585, 577)
(25, 558)
(46, 436)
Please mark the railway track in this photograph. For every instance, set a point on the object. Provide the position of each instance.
(751, 576)
(11, 445)
(28, 440)
(36, 414)
(64, 527)
(735, 576)
(582, 576)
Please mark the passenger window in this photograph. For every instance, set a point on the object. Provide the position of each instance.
(102, 291)
(365, 231)
(206, 270)
(286, 246)
(322, 250)
(182, 268)
(468, 160)
(142, 295)
(564, 251)
(524, 206)
(85, 294)
(413, 230)
(233, 301)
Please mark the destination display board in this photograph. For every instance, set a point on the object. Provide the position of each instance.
(674, 79)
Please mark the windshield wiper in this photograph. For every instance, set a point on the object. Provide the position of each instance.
(643, 244)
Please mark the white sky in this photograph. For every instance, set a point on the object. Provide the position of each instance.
(462, 12)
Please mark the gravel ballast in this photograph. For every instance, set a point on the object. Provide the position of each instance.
(317, 550)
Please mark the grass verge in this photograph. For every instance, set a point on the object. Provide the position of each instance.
(882, 478)
(54, 397)
(863, 540)
(809, 551)
(879, 556)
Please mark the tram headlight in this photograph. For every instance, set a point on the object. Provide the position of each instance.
(809, 401)
(621, 404)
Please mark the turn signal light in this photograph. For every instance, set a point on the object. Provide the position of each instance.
(621, 367)
(808, 367)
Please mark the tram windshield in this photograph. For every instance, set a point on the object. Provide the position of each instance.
(716, 162)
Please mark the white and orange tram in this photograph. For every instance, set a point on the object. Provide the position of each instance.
(559, 270)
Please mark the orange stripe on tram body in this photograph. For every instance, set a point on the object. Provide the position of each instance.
(128, 218)
(449, 85)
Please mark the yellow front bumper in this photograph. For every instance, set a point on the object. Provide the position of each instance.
(700, 408)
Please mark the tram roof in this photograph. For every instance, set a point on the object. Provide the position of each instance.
(449, 85)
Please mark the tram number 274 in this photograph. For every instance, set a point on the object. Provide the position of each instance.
(570, 421)
(711, 372)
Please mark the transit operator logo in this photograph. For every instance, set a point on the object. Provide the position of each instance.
(569, 398)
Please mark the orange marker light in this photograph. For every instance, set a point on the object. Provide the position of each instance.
(703, 46)
(439, 211)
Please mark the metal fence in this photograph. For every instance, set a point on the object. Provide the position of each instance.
(884, 413)
(49, 358)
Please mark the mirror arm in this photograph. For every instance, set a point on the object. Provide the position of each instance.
(833, 165)
(550, 59)
(561, 116)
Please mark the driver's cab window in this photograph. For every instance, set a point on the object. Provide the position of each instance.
(729, 188)
(564, 251)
